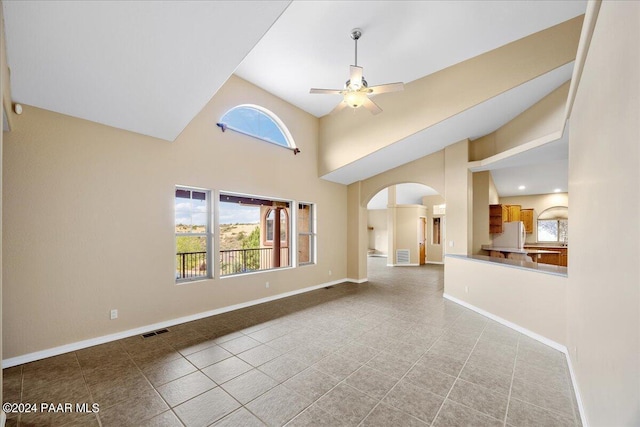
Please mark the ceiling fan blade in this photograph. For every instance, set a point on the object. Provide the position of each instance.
(326, 91)
(390, 87)
(338, 108)
(355, 77)
(371, 106)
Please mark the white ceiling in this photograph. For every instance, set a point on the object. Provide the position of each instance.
(147, 67)
(310, 45)
(541, 170)
(150, 67)
(406, 194)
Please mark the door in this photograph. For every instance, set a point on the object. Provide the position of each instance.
(423, 240)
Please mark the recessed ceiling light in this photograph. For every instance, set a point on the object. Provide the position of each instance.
(557, 190)
(522, 187)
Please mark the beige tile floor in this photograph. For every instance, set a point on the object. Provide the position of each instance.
(390, 352)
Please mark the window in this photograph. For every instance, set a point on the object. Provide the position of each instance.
(553, 225)
(192, 228)
(258, 122)
(306, 234)
(284, 225)
(246, 222)
(436, 231)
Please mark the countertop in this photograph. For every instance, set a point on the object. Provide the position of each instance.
(518, 251)
(524, 265)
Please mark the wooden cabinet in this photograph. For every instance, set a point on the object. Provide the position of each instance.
(558, 258)
(526, 216)
(514, 213)
(564, 257)
(497, 216)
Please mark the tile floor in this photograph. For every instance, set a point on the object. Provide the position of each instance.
(390, 352)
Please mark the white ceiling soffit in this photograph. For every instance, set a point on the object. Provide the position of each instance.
(473, 123)
(541, 178)
(406, 194)
(541, 170)
(309, 46)
(147, 67)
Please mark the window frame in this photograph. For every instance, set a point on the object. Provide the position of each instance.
(555, 214)
(289, 246)
(558, 238)
(291, 145)
(285, 229)
(208, 234)
(312, 233)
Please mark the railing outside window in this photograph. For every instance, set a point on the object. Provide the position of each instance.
(193, 265)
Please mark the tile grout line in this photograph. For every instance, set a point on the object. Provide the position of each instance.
(461, 369)
(154, 387)
(405, 374)
(84, 380)
(513, 374)
(397, 382)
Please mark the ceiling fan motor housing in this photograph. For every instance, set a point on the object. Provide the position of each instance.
(348, 83)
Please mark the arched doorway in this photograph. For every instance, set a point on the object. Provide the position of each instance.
(405, 225)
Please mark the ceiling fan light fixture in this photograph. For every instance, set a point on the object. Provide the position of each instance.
(354, 99)
(356, 90)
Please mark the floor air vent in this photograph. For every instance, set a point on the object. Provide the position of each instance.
(154, 333)
(402, 256)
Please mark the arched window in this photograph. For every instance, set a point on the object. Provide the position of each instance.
(284, 226)
(258, 122)
(553, 225)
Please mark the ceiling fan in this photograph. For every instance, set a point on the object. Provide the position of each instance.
(356, 90)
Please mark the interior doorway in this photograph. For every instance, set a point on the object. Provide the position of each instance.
(422, 239)
(399, 225)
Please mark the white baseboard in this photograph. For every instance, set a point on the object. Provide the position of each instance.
(366, 279)
(435, 262)
(403, 265)
(509, 324)
(79, 345)
(3, 419)
(535, 336)
(583, 414)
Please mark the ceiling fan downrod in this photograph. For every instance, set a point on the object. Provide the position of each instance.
(355, 35)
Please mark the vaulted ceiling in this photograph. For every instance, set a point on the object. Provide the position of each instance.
(150, 67)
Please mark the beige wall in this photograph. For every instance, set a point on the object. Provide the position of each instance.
(88, 219)
(357, 233)
(604, 183)
(378, 238)
(406, 231)
(345, 138)
(532, 300)
(434, 252)
(542, 119)
(539, 203)
(484, 194)
(428, 170)
(4, 99)
(459, 197)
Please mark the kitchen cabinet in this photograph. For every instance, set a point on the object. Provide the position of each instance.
(558, 258)
(526, 216)
(514, 213)
(497, 216)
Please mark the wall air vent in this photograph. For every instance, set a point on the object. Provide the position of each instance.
(402, 256)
